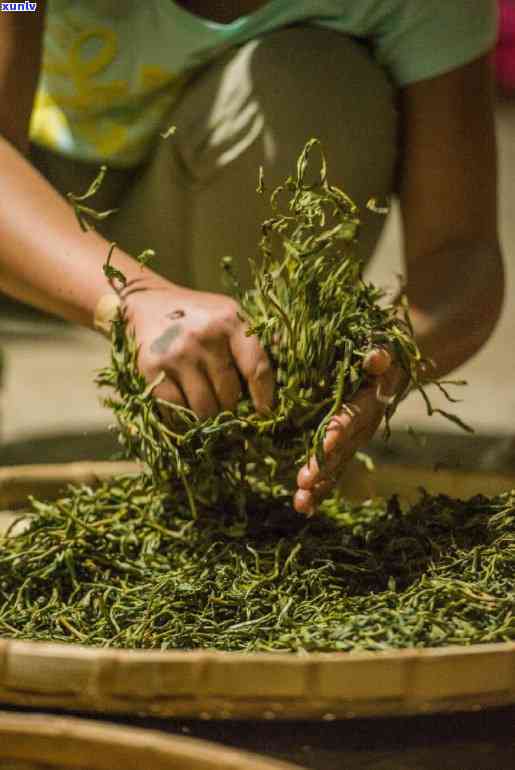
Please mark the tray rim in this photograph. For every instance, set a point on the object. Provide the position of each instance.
(224, 685)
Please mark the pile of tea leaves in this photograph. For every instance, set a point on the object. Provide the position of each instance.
(127, 565)
(203, 549)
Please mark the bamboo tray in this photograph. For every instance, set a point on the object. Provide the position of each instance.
(29, 742)
(221, 685)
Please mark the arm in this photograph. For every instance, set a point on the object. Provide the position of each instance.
(46, 260)
(448, 195)
(455, 279)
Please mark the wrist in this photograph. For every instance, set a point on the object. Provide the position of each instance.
(106, 311)
(130, 297)
(121, 289)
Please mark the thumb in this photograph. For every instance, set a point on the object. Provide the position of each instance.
(377, 362)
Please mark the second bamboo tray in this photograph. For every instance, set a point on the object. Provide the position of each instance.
(37, 742)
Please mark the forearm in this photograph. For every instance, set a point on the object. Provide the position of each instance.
(455, 299)
(45, 258)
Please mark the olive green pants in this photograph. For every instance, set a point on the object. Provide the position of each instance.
(194, 201)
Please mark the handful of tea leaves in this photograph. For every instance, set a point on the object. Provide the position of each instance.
(316, 317)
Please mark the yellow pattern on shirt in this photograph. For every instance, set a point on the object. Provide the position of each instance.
(76, 108)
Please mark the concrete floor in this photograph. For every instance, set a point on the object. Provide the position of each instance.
(49, 390)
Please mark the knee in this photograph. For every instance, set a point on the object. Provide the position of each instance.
(264, 100)
(311, 81)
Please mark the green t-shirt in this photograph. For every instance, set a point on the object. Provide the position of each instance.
(113, 69)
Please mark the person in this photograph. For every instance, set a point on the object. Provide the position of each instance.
(398, 91)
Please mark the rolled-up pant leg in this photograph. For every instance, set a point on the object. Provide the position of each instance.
(257, 106)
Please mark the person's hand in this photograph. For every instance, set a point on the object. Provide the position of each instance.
(198, 340)
(350, 430)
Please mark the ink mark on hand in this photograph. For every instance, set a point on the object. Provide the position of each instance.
(175, 314)
(163, 342)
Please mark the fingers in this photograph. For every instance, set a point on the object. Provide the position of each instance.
(255, 367)
(314, 486)
(342, 427)
(308, 475)
(305, 500)
(202, 398)
(169, 391)
(320, 481)
(224, 378)
(208, 368)
(377, 362)
(345, 434)
(192, 389)
(348, 431)
(206, 388)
